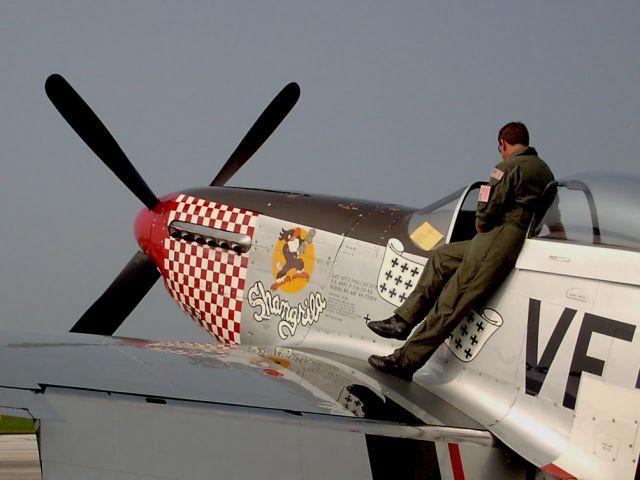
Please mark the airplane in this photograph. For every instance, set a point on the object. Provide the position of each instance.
(541, 381)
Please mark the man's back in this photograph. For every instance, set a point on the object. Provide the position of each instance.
(516, 186)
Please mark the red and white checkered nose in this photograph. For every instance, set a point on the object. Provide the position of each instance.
(206, 281)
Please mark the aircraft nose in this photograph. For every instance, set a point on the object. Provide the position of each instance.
(150, 228)
(142, 229)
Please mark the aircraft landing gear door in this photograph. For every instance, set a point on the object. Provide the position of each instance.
(463, 224)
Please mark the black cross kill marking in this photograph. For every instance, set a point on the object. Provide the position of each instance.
(467, 353)
(414, 272)
(474, 339)
(480, 326)
(392, 292)
(398, 280)
(394, 262)
(404, 267)
(408, 284)
(388, 275)
(458, 344)
(403, 297)
(367, 318)
(464, 330)
(383, 287)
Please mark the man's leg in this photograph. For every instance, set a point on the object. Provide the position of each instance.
(443, 263)
(488, 261)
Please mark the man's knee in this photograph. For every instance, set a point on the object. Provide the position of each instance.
(448, 256)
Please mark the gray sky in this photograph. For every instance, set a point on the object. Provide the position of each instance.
(401, 102)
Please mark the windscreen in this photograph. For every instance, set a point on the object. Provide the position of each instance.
(595, 208)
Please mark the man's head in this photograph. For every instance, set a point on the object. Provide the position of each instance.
(513, 136)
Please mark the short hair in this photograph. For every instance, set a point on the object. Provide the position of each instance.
(514, 133)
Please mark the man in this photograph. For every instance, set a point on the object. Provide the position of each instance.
(460, 275)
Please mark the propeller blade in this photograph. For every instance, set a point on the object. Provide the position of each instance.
(121, 297)
(262, 129)
(89, 127)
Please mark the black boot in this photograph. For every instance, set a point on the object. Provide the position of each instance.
(391, 366)
(392, 327)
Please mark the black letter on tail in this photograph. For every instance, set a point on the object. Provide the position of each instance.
(537, 370)
(582, 362)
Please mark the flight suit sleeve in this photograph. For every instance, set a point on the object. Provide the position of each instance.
(495, 196)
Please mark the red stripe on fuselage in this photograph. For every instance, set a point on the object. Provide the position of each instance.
(557, 472)
(456, 461)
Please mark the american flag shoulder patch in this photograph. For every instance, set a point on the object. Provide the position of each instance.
(485, 190)
(497, 174)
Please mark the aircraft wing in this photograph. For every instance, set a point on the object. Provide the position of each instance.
(113, 407)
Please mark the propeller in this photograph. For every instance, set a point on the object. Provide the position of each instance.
(120, 298)
(111, 309)
(90, 129)
(262, 129)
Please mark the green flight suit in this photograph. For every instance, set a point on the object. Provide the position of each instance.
(460, 275)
